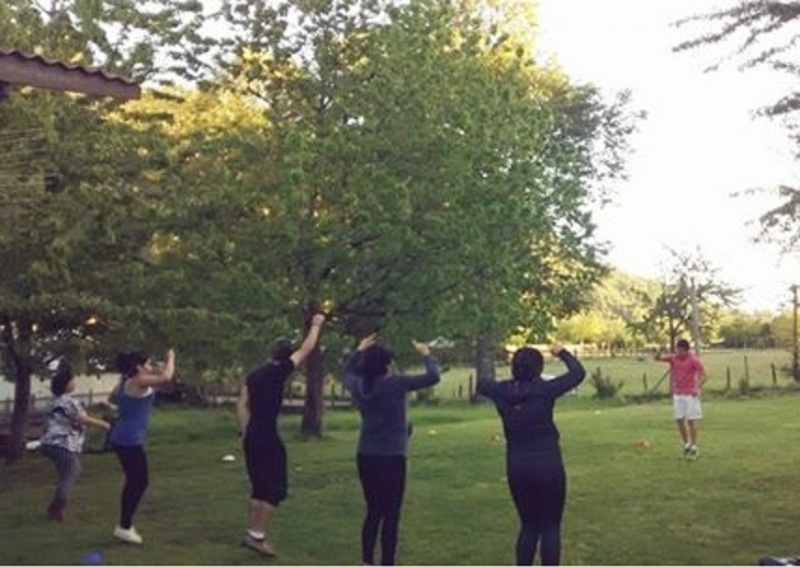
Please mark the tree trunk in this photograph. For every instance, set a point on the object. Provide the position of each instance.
(484, 359)
(314, 407)
(16, 341)
(19, 417)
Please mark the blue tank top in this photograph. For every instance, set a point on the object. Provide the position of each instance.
(134, 415)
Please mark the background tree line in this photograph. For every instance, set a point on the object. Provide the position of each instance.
(629, 313)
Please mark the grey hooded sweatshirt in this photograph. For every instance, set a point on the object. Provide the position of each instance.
(384, 426)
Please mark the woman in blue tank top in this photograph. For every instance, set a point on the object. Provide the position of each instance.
(134, 396)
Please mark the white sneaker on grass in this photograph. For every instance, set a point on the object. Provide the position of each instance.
(128, 536)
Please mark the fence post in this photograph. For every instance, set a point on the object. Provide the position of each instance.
(727, 378)
(774, 374)
(460, 391)
(644, 381)
(471, 389)
(746, 371)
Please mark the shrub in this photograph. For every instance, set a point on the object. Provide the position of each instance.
(604, 387)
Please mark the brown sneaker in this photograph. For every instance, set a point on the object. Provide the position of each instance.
(260, 546)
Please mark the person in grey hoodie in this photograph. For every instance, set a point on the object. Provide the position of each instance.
(380, 397)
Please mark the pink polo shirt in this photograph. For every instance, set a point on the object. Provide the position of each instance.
(685, 372)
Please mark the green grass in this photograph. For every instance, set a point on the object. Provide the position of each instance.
(736, 502)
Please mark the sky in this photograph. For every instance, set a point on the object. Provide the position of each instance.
(698, 147)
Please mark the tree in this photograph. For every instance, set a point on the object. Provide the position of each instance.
(408, 154)
(760, 34)
(743, 330)
(691, 287)
(76, 213)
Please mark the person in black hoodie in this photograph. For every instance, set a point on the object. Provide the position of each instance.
(534, 468)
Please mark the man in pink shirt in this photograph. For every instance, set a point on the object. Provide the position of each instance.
(687, 377)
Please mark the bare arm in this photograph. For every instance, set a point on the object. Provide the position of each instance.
(701, 376)
(660, 356)
(243, 409)
(310, 341)
(87, 419)
(157, 377)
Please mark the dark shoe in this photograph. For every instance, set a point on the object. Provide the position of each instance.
(57, 509)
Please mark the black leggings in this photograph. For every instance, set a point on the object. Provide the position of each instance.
(539, 491)
(383, 479)
(134, 464)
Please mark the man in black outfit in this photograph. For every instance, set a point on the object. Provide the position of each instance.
(259, 404)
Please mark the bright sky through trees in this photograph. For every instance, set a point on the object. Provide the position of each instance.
(698, 147)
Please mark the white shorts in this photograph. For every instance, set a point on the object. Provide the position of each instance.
(686, 407)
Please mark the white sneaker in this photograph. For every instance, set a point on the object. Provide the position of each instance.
(128, 536)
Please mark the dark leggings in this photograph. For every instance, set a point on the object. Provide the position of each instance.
(134, 464)
(539, 490)
(383, 479)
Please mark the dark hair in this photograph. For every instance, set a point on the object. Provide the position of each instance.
(682, 344)
(62, 377)
(375, 363)
(527, 364)
(282, 350)
(128, 362)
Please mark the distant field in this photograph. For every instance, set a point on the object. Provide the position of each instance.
(737, 502)
(634, 371)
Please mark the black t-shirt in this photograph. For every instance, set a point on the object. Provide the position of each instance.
(265, 395)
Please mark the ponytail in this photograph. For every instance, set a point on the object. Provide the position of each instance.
(375, 364)
(128, 363)
(527, 364)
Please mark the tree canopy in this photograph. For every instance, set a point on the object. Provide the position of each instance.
(409, 168)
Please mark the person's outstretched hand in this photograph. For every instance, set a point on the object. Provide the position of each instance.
(422, 348)
(368, 341)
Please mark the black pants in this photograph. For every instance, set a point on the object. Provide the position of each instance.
(383, 480)
(539, 489)
(134, 465)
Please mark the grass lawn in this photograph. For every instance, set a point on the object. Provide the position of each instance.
(738, 501)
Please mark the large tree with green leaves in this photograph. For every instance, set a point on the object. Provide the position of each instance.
(414, 166)
(77, 212)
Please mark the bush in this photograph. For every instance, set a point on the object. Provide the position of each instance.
(604, 387)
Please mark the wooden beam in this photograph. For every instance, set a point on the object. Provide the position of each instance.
(36, 72)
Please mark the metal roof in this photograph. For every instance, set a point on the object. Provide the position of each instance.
(19, 68)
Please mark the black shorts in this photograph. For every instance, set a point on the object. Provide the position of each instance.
(266, 467)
